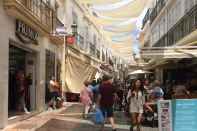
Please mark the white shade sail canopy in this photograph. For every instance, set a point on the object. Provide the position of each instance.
(100, 1)
(132, 9)
(139, 72)
(119, 21)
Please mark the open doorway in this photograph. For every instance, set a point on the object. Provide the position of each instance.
(22, 91)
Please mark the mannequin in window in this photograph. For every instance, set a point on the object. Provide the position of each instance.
(21, 85)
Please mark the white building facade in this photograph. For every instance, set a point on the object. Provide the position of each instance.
(168, 24)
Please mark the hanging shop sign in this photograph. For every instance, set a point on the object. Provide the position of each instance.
(25, 33)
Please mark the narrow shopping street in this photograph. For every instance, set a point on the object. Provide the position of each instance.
(68, 118)
(136, 59)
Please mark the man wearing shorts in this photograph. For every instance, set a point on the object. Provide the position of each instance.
(106, 99)
(53, 88)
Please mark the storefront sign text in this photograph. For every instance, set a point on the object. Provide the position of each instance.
(25, 32)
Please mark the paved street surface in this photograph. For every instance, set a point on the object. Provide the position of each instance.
(68, 119)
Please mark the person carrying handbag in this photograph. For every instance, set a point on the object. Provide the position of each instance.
(136, 102)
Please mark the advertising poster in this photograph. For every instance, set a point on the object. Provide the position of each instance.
(165, 115)
(184, 115)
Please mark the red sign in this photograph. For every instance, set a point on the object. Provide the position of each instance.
(70, 39)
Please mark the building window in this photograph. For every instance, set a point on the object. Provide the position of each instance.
(86, 37)
(92, 49)
(80, 41)
(93, 46)
(75, 19)
(103, 55)
(98, 54)
(58, 68)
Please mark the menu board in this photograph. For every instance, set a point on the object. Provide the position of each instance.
(165, 115)
(185, 115)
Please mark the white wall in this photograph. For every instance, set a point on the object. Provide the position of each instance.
(170, 17)
(82, 22)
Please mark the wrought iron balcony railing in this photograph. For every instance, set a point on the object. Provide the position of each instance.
(186, 25)
(146, 18)
(31, 11)
(156, 10)
(98, 54)
(92, 49)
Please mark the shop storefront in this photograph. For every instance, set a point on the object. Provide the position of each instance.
(26, 65)
(21, 61)
(22, 71)
(182, 71)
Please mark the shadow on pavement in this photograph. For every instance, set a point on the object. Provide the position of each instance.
(62, 125)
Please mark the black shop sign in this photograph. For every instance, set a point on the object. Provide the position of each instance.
(25, 33)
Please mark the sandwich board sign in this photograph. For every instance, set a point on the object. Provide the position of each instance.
(165, 115)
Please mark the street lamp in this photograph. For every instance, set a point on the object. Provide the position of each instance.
(62, 31)
(74, 29)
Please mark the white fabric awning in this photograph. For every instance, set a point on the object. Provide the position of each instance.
(133, 9)
(139, 72)
(117, 20)
(169, 52)
(99, 1)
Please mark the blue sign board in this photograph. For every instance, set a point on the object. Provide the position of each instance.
(184, 115)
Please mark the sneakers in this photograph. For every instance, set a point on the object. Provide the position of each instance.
(26, 111)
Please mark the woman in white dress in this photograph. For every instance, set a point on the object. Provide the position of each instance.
(136, 100)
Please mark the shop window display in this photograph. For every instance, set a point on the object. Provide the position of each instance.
(19, 93)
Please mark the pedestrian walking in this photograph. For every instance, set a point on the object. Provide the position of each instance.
(54, 92)
(86, 98)
(147, 89)
(157, 90)
(94, 86)
(181, 92)
(106, 100)
(136, 100)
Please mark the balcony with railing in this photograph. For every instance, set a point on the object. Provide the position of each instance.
(185, 26)
(98, 54)
(146, 18)
(103, 56)
(57, 39)
(35, 13)
(157, 9)
(92, 49)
